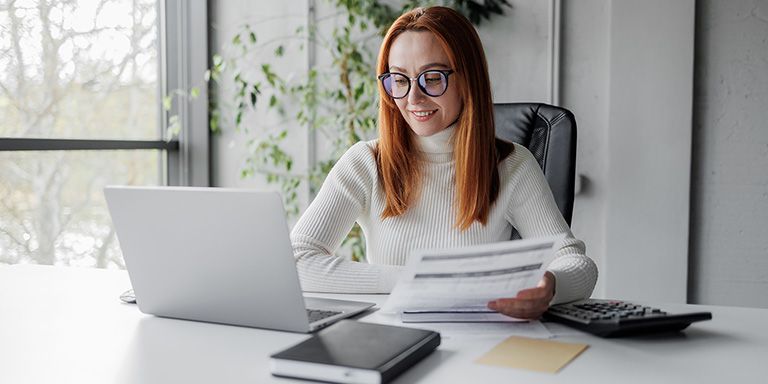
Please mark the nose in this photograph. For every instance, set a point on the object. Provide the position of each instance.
(415, 95)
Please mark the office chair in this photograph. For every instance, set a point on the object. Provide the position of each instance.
(549, 132)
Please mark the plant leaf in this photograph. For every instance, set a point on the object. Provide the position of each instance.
(253, 99)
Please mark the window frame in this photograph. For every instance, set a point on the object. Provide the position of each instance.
(184, 61)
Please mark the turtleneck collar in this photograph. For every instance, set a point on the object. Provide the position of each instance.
(437, 144)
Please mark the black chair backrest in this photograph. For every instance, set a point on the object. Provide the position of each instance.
(549, 132)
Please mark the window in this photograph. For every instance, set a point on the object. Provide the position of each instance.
(80, 108)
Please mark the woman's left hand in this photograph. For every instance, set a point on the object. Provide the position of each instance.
(529, 303)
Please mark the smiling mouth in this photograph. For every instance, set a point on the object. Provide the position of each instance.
(423, 113)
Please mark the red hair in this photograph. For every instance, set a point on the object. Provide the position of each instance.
(476, 150)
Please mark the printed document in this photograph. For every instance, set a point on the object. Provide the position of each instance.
(463, 280)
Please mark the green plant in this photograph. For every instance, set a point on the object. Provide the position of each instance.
(338, 101)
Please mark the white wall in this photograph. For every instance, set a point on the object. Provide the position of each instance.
(729, 246)
(518, 49)
(627, 76)
(649, 141)
(584, 81)
(274, 22)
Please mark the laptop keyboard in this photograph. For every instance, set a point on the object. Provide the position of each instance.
(319, 314)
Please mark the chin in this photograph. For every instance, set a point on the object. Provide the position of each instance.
(424, 130)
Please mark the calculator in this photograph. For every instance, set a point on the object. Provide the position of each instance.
(615, 318)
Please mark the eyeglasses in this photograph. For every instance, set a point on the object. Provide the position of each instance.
(433, 82)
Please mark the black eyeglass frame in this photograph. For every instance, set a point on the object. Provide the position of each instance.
(445, 72)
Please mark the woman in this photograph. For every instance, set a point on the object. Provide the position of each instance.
(436, 176)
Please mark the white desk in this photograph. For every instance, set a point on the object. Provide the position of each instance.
(66, 325)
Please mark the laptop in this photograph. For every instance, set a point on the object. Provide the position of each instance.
(216, 255)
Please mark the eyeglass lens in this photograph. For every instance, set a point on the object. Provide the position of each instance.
(432, 83)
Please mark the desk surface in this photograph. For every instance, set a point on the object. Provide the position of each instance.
(66, 325)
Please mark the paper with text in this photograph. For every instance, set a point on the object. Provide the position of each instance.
(467, 277)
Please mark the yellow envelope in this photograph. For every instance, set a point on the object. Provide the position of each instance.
(532, 354)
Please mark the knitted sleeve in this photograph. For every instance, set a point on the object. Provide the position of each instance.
(344, 196)
(533, 212)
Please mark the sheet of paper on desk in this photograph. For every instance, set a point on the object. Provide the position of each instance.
(495, 330)
(532, 354)
(456, 315)
(469, 277)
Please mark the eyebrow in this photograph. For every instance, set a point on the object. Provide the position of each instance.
(423, 67)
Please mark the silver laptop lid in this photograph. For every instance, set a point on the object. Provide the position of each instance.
(209, 254)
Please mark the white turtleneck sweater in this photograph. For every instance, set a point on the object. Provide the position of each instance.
(352, 192)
